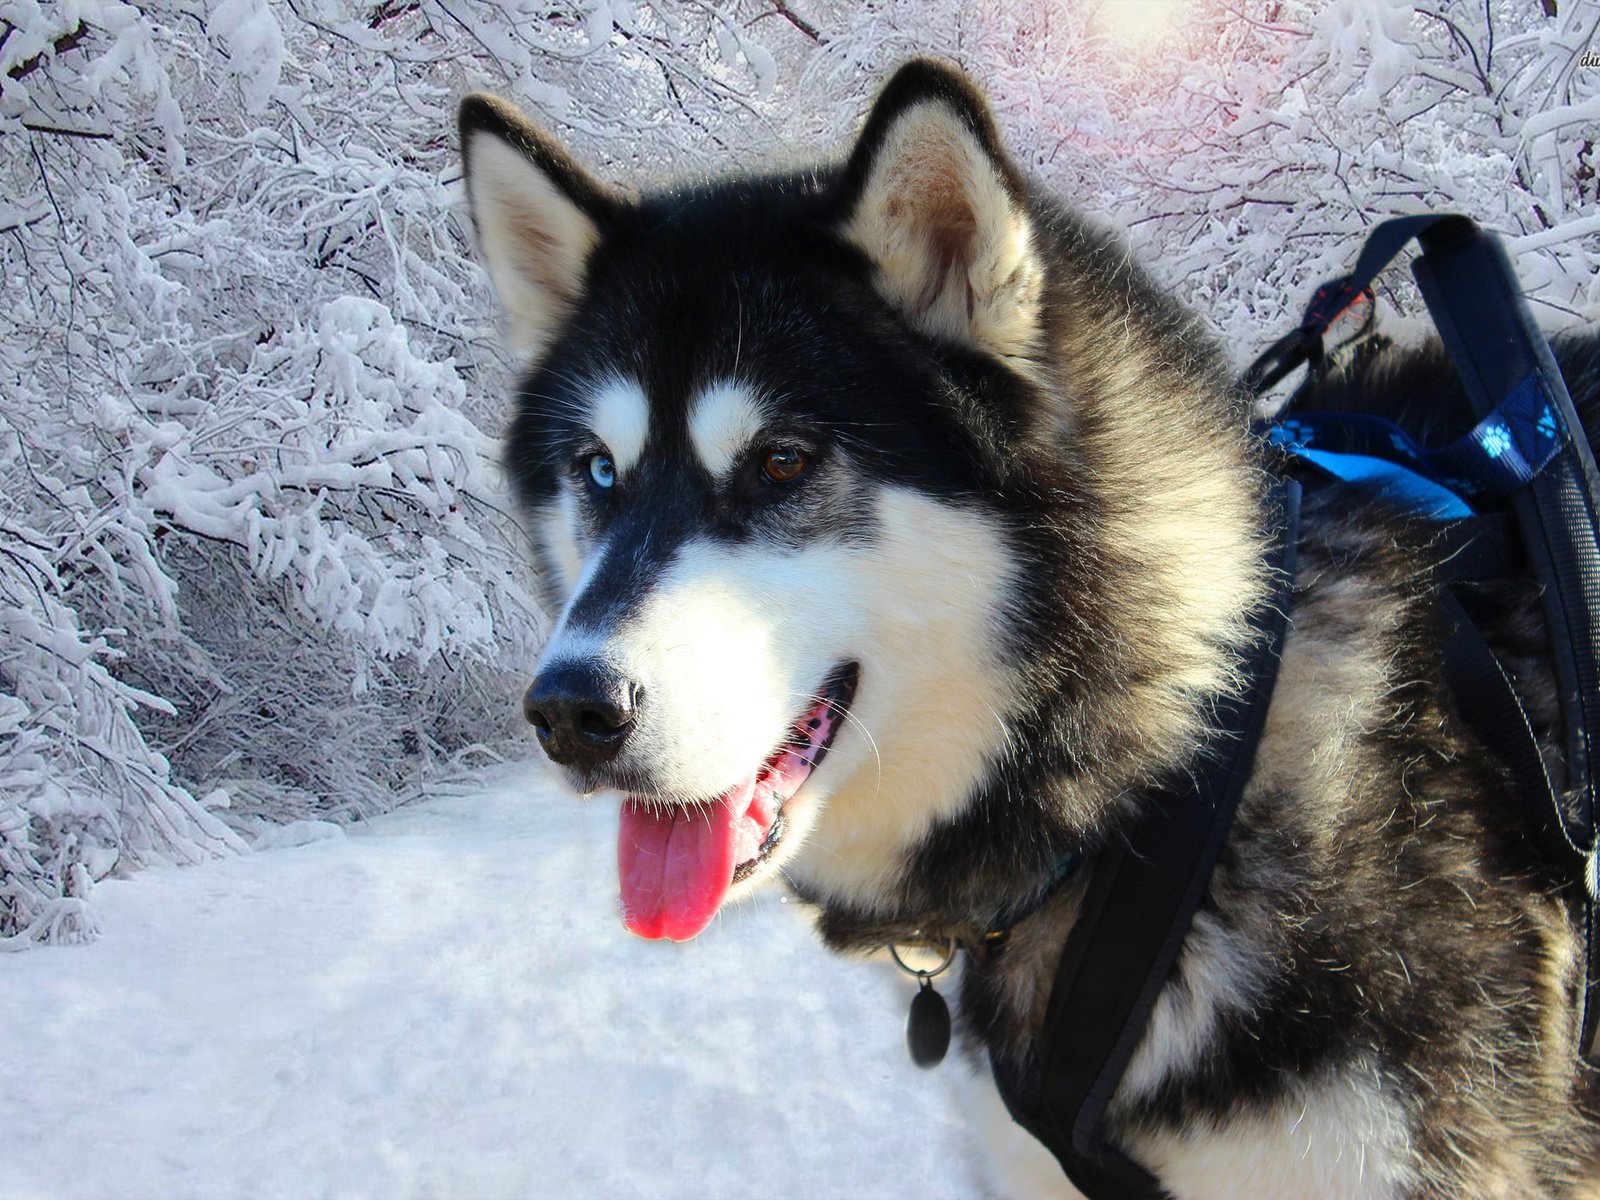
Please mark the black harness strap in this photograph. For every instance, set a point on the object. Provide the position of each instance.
(1142, 896)
(1532, 451)
(1489, 702)
(1473, 296)
(1304, 345)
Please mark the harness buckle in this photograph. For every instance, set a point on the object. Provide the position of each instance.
(1303, 345)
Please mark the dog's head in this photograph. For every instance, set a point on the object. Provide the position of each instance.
(774, 440)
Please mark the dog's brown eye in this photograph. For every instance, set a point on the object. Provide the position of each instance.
(785, 464)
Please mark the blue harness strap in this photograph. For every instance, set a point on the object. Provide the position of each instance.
(1484, 321)
(1305, 343)
(1401, 485)
(1521, 436)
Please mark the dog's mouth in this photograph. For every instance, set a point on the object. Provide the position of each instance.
(676, 862)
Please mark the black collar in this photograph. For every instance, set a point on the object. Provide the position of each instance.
(1066, 868)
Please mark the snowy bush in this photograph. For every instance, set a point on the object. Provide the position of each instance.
(255, 565)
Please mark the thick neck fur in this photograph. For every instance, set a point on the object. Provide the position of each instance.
(1135, 506)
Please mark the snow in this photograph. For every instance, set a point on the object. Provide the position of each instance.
(443, 1003)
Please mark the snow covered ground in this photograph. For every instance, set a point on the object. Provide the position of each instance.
(443, 1003)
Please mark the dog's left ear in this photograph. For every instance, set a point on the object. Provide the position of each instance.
(932, 199)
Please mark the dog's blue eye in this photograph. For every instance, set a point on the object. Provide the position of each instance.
(602, 470)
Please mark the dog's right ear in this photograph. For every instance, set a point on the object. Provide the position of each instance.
(539, 216)
(934, 201)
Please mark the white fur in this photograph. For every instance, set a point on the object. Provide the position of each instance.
(723, 670)
(931, 189)
(723, 423)
(1224, 974)
(535, 241)
(1016, 1166)
(931, 713)
(560, 533)
(1338, 1138)
(620, 417)
(732, 642)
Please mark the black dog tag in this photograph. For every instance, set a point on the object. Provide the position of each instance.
(928, 1026)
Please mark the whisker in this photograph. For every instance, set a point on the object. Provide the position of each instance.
(850, 718)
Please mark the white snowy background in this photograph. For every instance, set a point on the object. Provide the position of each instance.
(306, 920)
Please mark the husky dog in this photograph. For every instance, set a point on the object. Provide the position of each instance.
(901, 531)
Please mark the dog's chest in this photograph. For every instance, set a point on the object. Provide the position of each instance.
(1340, 1139)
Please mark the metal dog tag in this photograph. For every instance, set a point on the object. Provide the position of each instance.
(928, 1026)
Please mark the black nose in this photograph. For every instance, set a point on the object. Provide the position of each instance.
(581, 712)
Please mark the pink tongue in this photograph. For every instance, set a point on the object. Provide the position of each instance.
(675, 864)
